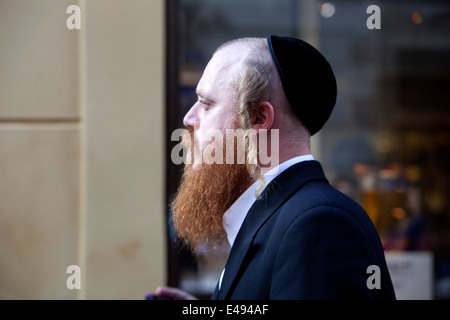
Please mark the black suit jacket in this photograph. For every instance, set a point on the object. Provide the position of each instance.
(304, 240)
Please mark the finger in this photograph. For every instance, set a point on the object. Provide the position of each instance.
(174, 293)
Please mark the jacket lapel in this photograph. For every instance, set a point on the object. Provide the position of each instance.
(275, 194)
(215, 293)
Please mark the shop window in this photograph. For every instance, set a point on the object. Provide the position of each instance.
(387, 143)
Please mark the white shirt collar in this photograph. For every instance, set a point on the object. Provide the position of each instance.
(235, 215)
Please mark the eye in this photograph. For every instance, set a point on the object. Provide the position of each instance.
(204, 103)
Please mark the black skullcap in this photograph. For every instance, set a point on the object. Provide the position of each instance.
(307, 78)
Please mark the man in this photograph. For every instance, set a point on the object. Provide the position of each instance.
(292, 235)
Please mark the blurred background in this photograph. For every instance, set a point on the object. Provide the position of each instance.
(81, 149)
(86, 117)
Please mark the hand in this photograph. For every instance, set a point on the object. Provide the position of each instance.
(174, 293)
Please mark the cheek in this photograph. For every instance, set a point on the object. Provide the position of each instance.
(207, 136)
(213, 125)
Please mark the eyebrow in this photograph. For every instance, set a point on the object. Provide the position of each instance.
(199, 93)
(202, 95)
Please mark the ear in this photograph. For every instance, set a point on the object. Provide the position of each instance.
(263, 117)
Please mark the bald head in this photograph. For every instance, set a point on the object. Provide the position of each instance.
(255, 79)
(254, 54)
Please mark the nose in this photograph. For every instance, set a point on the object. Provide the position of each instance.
(191, 117)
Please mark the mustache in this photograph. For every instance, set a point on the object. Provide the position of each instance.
(187, 138)
(188, 143)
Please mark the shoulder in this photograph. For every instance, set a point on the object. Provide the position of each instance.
(325, 246)
(317, 200)
(328, 227)
(321, 214)
(321, 193)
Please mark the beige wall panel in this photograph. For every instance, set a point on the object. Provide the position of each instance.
(38, 60)
(125, 248)
(38, 210)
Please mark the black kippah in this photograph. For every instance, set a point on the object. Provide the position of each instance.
(307, 78)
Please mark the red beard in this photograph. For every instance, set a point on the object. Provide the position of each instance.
(203, 197)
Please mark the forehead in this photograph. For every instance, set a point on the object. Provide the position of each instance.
(219, 70)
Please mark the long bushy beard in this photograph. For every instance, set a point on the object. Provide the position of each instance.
(203, 197)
